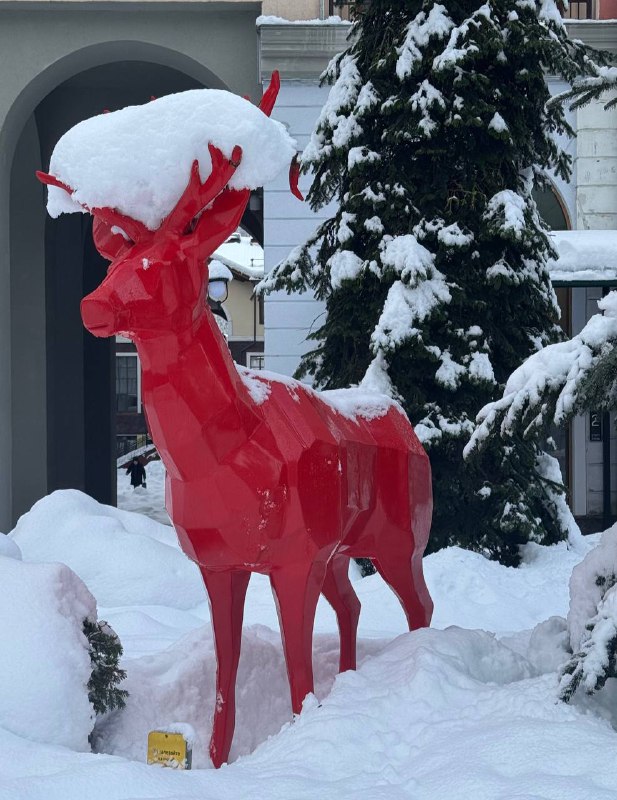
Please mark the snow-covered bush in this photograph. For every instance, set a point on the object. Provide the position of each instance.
(105, 650)
(59, 663)
(592, 620)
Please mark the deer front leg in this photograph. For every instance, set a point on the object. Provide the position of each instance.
(296, 590)
(227, 591)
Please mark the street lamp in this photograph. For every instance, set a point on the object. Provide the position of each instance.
(218, 279)
(218, 282)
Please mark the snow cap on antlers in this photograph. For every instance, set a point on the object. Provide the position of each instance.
(138, 160)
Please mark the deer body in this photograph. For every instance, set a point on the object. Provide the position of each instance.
(280, 482)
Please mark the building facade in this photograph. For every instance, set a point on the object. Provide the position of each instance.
(65, 60)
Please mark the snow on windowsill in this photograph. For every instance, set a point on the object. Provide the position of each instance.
(584, 256)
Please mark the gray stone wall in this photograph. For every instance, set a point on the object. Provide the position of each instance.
(43, 45)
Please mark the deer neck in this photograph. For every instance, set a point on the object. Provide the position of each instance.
(197, 406)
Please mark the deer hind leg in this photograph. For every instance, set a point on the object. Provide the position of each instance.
(227, 591)
(339, 592)
(401, 569)
(296, 590)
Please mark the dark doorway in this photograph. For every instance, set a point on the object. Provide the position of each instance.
(81, 407)
(81, 428)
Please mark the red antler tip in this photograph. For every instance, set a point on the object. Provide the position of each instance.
(294, 175)
(51, 180)
(269, 98)
(236, 156)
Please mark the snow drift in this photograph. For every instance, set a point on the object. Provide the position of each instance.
(123, 558)
(44, 661)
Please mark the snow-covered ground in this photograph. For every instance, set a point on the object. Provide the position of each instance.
(464, 710)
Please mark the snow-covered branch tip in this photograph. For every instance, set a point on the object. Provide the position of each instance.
(548, 387)
(589, 88)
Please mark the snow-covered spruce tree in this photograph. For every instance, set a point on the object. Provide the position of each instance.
(434, 266)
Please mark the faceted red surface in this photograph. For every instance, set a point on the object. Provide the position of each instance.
(287, 486)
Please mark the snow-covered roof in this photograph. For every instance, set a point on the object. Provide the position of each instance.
(585, 257)
(243, 255)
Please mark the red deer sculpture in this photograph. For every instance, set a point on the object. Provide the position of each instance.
(282, 484)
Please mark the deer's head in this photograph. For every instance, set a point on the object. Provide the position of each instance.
(157, 280)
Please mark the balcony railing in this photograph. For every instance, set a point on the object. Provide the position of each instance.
(580, 9)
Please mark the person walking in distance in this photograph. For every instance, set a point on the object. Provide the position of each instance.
(137, 473)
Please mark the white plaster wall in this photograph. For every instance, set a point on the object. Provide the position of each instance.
(288, 223)
(597, 167)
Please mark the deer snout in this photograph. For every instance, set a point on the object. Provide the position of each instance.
(98, 316)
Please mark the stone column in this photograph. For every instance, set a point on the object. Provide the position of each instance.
(596, 162)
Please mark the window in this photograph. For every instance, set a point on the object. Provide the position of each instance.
(127, 383)
(256, 360)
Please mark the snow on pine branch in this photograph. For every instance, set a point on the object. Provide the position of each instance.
(337, 125)
(419, 289)
(508, 211)
(590, 87)
(460, 44)
(138, 159)
(545, 389)
(437, 23)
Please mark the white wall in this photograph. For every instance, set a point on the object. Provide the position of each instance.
(288, 223)
(597, 167)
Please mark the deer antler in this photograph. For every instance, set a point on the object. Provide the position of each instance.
(133, 228)
(268, 100)
(266, 105)
(198, 195)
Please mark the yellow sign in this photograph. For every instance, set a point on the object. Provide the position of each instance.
(168, 750)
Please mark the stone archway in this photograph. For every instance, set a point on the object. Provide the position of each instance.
(53, 414)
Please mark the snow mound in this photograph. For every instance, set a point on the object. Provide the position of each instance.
(8, 548)
(179, 683)
(138, 159)
(123, 558)
(44, 661)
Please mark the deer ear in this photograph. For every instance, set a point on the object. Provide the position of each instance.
(109, 242)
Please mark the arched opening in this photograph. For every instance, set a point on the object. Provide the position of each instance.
(552, 208)
(64, 379)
